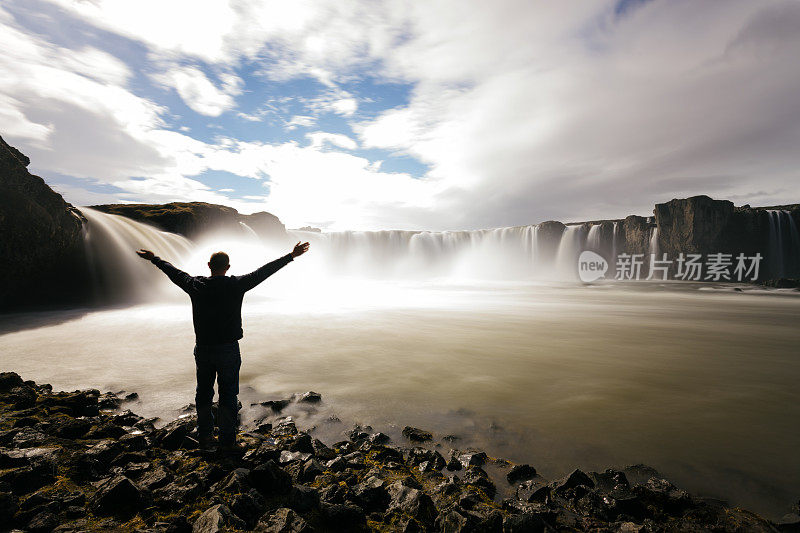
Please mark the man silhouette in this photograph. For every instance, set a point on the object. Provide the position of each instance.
(217, 317)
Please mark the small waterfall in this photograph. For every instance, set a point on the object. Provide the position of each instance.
(784, 245)
(119, 274)
(568, 250)
(653, 246)
(593, 238)
(249, 230)
(613, 258)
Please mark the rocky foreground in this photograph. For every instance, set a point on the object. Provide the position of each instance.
(75, 461)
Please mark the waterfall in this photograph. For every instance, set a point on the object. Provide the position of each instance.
(568, 250)
(250, 231)
(784, 244)
(119, 274)
(499, 254)
(593, 238)
(653, 246)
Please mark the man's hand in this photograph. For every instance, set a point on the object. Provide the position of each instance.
(300, 249)
(145, 254)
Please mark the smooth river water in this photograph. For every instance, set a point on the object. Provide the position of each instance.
(701, 383)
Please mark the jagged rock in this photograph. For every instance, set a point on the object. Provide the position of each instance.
(283, 520)
(416, 434)
(472, 459)
(379, 438)
(174, 435)
(76, 403)
(411, 501)
(533, 490)
(419, 455)
(134, 442)
(343, 517)
(371, 494)
(477, 476)
(284, 428)
(523, 523)
(117, 496)
(43, 522)
(236, 482)
(249, 507)
(276, 405)
(269, 478)
(215, 519)
(156, 478)
(321, 451)
(126, 418)
(105, 431)
(9, 380)
(302, 443)
(520, 473)
(310, 470)
(21, 396)
(575, 479)
(266, 451)
(289, 457)
(71, 428)
(303, 498)
(309, 397)
(177, 494)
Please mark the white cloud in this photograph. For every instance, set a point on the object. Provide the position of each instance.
(319, 138)
(300, 120)
(198, 92)
(522, 110)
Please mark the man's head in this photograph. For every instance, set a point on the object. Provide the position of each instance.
(219, 263)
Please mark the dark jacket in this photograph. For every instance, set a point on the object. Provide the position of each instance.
(217, 300)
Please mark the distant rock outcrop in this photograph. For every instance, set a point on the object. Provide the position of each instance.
(191, 219)
(41, 245)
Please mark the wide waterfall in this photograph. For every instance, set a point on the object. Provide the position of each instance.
(517, 253)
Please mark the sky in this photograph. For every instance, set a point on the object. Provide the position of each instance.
(438, 115)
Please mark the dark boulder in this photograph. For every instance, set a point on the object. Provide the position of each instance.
(416, 434)
(303, 498)
(411, 501)
(216, 519)
(118, 496)
(520, 473)
(371, 494)
(249, 507)
(268, 478)
(343, 517)
(76, 403)
(283, 520)
(9, 380)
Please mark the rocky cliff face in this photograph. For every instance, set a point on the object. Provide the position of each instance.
(191, 219)
(41, 245)
(702, 225)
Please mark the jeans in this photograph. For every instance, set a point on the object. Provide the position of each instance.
(220, 362)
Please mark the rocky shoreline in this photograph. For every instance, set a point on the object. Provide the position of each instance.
(78, 461)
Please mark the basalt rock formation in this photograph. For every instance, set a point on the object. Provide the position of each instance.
(192, 219)
(41, 244)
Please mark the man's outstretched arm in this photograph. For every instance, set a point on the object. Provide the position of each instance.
(248, 281)
(177, 276)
